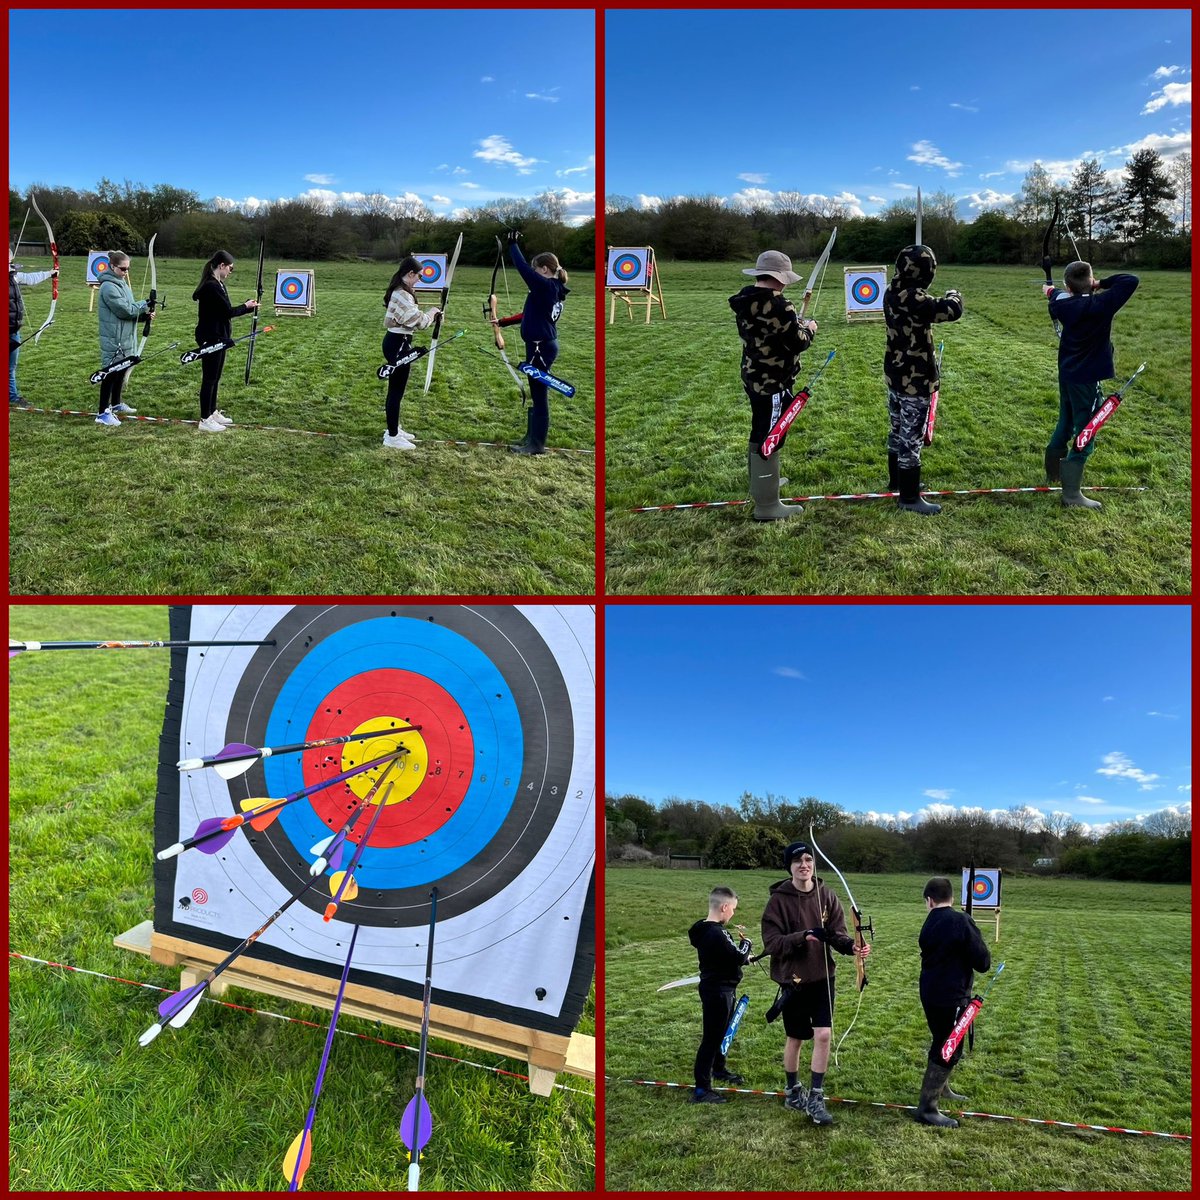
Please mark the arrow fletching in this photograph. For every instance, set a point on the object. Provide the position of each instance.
(175, 1010)
(297, 1158)
(416, 1124)
(237, 759)
(335, 882)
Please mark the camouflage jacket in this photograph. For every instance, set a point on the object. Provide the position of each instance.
(772, 339)
(910, 312)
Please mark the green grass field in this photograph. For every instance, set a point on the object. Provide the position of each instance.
(215, 1106)
(676, 423)
(154, 509)
(1089, 1022)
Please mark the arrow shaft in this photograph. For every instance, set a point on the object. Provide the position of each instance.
(123, 645)
(419, 1106)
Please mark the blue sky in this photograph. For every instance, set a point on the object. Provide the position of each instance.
(899, 710)
(455, 109)
(863, 108)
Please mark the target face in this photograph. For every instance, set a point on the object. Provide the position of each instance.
(292, 287)
(98, 266)
(864, 289)
(985, 892)
(432, 275)
(628, 268)
(492, 801)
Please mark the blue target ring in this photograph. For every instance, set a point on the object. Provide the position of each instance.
(865, 290)
(100, 267)
(431, 271)
(480, 691)
(291, 288)
(984, 888)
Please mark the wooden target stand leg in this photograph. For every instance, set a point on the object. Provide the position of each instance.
(547, 1054)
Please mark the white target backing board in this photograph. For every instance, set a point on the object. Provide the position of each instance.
(97, 267)
(629, 267)
(494, 803)
(987, 887)
(432, 276)
(293, 288)
(864, 291)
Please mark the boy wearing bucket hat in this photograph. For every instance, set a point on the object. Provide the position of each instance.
(802, 922)
(773, 338)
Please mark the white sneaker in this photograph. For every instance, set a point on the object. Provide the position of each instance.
(209, 425)
(399, 442)
(124, 408)
(221, 418)
(107, 418)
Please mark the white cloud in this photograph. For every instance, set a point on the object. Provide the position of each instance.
(498, 149)
(926, 154)
(752, 177)
(488, 79)
(648, 202)
(321, 179)
(788, 673)
(1166, 72)
(1107, 699)
(1090, 800)
(440, 199)
(588, 165)
(987, 199)
(1120, 766)
(938, 793)
(1165, 716)
(468, 184)
(547, 98)
(964, 107)
(1173, 94)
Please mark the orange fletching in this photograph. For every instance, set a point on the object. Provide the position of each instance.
(289, 1159)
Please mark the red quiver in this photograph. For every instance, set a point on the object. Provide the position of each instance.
(961, 1026)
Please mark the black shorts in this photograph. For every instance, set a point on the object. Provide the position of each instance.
(807, 1008)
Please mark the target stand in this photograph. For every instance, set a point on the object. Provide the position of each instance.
(493, 804)
(546, 1054)
(631, 275)
(864, 287)
(295, 292)
(986, 898)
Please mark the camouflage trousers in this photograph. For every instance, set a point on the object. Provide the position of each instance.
(907, 418)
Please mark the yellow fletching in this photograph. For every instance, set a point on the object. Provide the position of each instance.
(289, 1159)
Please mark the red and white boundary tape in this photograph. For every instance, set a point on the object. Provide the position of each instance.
(1179, 1137)
(874, 496)
(72, 412)
(262, 1012)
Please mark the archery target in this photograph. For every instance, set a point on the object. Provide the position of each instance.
(292, 288)
(864, 289)
(433, 272)
(97, 266)
(493, 803)
(628, 267)
(986, 892)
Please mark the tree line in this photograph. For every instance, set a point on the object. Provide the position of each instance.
(1141, 219)
(753, 834)
(375, 228)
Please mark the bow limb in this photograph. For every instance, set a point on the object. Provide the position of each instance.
(54, 254)
(262, 249)
(437, 321)
(818, 267)
(970, 888)
(1048, 261)
(489, 311)
(152, 300)
(860, 970)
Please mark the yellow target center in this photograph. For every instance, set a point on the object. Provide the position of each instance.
(408, 772)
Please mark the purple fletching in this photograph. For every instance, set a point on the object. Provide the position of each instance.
(235, 750)
(417, 1113)
(172, 1004)
(213, 844)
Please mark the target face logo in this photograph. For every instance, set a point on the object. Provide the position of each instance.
(199, 896)
(865, 290)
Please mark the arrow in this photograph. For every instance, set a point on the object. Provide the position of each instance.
(299, 1154)
(177, 1010)
(215, 832)
(15, 648)
(385, 372)
(201, 351)
(416, 1123)
(237, 758)
(346, 888)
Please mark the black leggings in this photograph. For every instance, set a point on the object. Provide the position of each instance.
(542, 356)
(394, 346)
(211, 366)
(717, 1009)
(111, 387)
